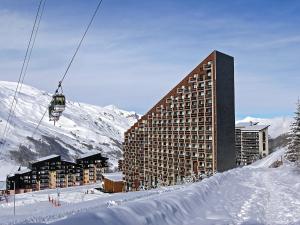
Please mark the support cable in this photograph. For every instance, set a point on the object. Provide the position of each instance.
(11, 111)
(70, 63)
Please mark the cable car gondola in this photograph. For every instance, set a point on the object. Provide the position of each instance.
(59, 102)
(57, 106)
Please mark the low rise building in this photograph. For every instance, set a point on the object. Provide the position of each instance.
(52, 172)
(20, 181)
(44, 172)
(113, 182)
(251, 142)
(90, 167)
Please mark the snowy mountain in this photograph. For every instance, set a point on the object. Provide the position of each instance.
(253, 194)
(82, 128)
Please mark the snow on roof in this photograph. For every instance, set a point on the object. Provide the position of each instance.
(88, 154)
(251, 126)
(255, 127)
(23, 171)
(19, 172)
(46, 158)
(246, 124)
(68, 161)
(118, 176)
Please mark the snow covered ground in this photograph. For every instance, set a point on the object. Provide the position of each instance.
(250, 195)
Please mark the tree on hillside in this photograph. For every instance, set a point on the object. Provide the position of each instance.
(293, 152)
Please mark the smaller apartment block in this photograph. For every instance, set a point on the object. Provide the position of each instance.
(90, 167)
(53, 172)
(22, 179)
(251, 142)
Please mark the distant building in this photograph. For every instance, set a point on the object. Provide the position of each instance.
(251, 142)
(120, 164)
(190, 131)
(52, 172)
(44, 172)
(21, 181)
(113, 182)
(90, 167)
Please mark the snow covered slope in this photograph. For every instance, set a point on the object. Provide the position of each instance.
(82, 128)
(249, 195)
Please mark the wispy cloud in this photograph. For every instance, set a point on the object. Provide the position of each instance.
(136, 51)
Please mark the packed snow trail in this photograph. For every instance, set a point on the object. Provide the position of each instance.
(250, 195)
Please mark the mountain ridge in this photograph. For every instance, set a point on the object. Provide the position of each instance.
(82, 127)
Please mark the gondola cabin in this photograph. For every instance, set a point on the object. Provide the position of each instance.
(59, 103)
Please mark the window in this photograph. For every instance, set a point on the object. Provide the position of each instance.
(264, 136)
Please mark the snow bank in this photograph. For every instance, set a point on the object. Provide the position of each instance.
(248, 195)
(270, 159)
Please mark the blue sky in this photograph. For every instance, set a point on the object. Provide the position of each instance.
(136, 50)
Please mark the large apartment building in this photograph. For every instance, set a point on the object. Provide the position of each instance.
(190, 131)
(251, 142)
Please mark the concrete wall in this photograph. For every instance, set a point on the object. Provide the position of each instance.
(261, 142)
(225, 112)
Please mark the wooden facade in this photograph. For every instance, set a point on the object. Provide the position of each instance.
(113, 183)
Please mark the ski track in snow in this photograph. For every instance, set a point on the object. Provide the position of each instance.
(243, 196)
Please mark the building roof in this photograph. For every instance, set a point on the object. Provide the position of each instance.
(45, 158)
(88, 154)
(255, 128)
(251, 126)
(246, 124)
(23, 171)
(67, 161)
(19, 172)
(118, 176)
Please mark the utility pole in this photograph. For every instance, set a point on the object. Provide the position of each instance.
(14, 198)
